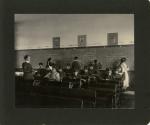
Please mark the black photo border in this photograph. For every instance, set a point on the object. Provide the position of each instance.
(9, 115)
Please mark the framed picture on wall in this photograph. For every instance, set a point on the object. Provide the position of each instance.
(56, 42)
(112, 39)
(82, 41)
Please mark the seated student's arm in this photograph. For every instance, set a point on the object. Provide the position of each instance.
(47, 75)
(34, 71)
(57, 77)
(84, 76)
(82, 79)
(121, 71)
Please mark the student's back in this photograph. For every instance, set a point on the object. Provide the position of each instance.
(76, 65)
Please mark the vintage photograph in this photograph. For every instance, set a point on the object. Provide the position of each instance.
(74, 61)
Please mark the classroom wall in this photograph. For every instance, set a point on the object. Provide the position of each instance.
(107, 55)
(34, 31)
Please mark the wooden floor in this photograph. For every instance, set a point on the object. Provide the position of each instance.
(127, 101)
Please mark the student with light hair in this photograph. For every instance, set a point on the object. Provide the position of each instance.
(53, 76)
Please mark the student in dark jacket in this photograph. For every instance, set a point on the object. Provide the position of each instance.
(68, 75)
(41, 72)
(76, 66)
(91, 70)
(97, 65)
(93, 74)
(27, 68)
(68, 72)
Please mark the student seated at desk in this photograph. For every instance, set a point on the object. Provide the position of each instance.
(84, 73)
(53, 76)
(93, 74)
(76, 79)
(68, 72)
(91, 70)
(41, 72)
(84, 77)
(97, 66)
(68, 76)
(61, 72)
(108, 74)
(39, 75)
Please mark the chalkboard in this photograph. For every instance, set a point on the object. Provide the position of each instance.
(106, 55)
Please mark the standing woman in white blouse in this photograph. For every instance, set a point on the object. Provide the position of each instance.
(124, 73)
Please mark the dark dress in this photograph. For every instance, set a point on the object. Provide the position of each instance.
(27, 70)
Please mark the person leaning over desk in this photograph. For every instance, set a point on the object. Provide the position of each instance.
(124, 73)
